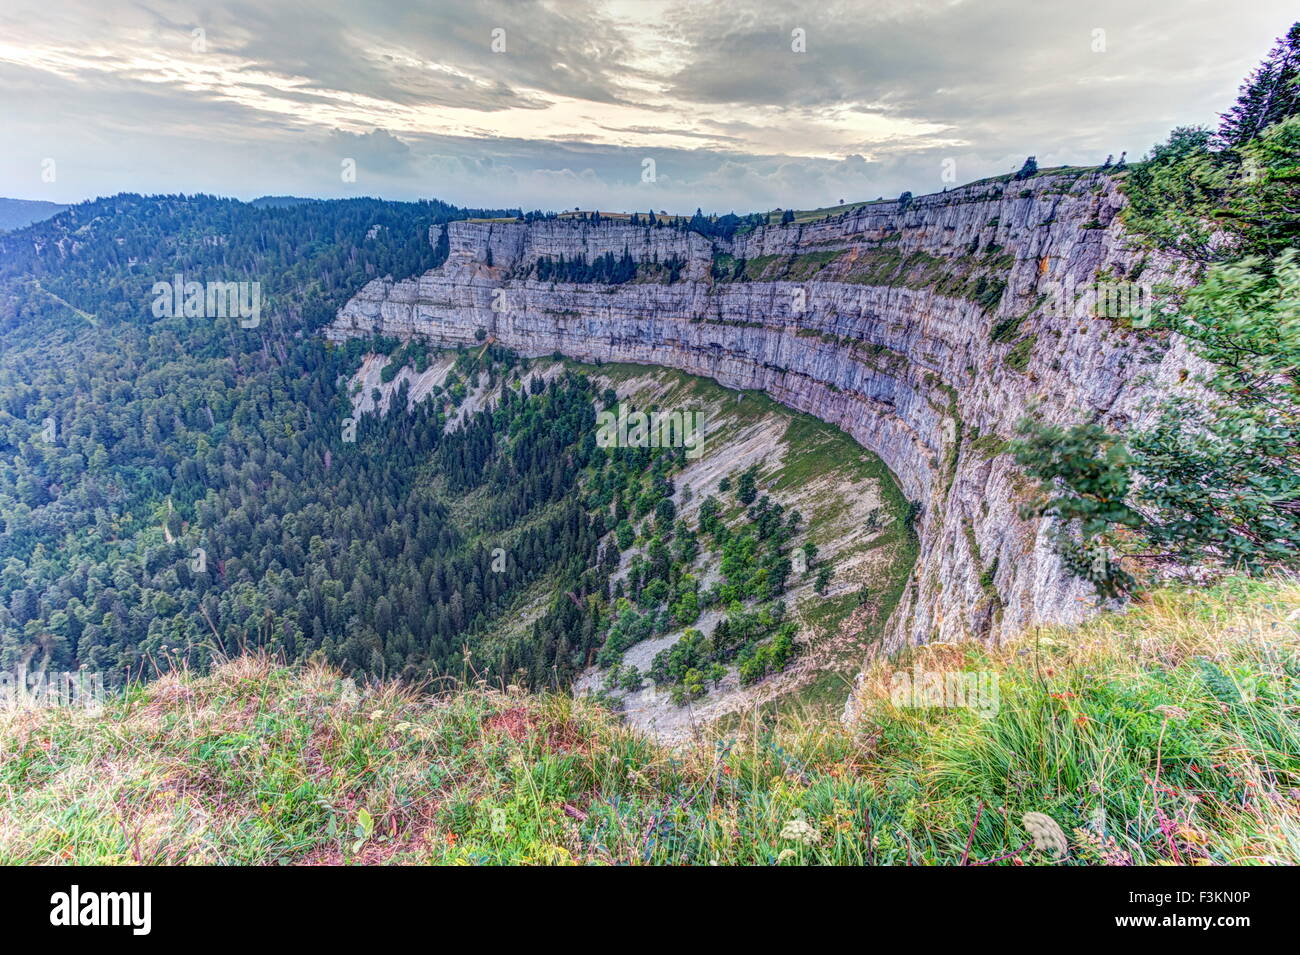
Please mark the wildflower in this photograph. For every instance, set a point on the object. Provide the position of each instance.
(798, 830)
(1081, 720)
(1048, 836)
(785, 854)
(1106, 849)
(376, 714)
(1171, 712)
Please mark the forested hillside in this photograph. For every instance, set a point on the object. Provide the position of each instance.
(129, 440)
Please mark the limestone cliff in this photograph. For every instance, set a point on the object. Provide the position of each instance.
(924, 329)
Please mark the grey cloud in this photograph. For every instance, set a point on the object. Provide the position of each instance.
(378, 150)
(992, 70)
(996, 79)
(566, 50)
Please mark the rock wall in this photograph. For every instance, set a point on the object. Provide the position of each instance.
(884, 320)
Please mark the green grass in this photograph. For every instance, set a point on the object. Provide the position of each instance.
(760, 265)
(1167, 734)
(807, 264)
(1018, 357)
(988, 445)
(814, 215)
(822, 448)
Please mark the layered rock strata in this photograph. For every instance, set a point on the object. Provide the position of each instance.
(925, 329)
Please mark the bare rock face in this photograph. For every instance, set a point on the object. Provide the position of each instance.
(925, 330)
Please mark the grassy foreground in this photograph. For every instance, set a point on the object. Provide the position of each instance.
(1167, 734)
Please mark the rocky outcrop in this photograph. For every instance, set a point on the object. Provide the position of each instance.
(925, 329)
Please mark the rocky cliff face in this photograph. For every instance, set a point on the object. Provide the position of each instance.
(924, 329)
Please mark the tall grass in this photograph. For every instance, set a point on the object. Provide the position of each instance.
(1169, 733)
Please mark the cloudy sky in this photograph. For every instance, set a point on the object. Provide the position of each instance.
(616, 104)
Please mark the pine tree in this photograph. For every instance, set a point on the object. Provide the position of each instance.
(1270, 95)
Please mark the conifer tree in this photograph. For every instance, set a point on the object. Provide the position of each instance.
(1028, 169)
(1269, 95)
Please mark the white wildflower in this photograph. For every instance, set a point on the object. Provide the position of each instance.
(798, 830)
(1048, 836)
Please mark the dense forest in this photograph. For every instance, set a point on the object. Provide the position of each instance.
(135, 450)
(178, 489)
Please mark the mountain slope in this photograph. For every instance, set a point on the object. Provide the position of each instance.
(16, 213)
(164, 478)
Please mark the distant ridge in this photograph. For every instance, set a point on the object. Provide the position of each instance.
(16, 213)
(279, 202)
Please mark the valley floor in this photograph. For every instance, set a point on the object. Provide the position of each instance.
(1166, 734)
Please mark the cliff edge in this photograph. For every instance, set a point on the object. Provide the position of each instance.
(925, 328)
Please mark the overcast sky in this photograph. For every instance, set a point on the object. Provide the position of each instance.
(615, 104)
